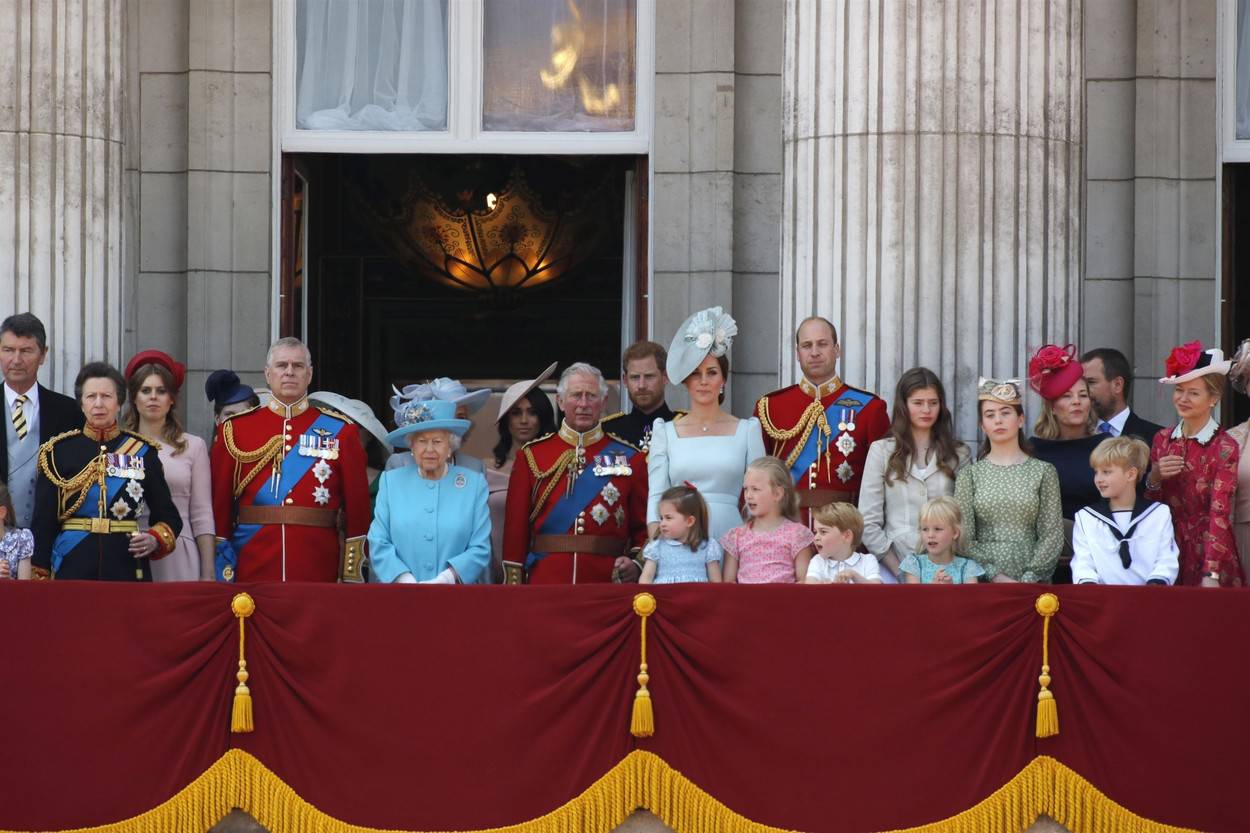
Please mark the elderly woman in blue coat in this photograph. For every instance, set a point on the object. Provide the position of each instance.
(430, 524)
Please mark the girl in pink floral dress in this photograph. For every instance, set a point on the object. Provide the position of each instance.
(1193, 469)
(772, 547)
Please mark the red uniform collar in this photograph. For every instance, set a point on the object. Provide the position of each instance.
(820, 391)
(585, 440)
(112, 432)
(288, 411)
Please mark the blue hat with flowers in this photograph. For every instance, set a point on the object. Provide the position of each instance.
(416, 415)
(708, 331)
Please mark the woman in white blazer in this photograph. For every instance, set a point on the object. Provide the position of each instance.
(916, 461)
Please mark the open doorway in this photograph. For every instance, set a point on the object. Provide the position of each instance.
(401, 268)
(1235, 278)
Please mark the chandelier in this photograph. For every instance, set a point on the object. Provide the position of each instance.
(497, 246)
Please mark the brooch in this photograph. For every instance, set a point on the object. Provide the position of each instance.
(460, 481)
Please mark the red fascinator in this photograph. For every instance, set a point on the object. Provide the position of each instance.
(176, 369)
(1053, 370)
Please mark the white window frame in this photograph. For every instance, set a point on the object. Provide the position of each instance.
(1231, 149)
(464, 134)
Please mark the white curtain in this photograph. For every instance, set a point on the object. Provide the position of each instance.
(559, 65)
(1243, 69)
(371, 65)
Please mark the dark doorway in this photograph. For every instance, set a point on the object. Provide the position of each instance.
(1235, 280)
(398, 269)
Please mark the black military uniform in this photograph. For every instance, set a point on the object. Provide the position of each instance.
(635, 426)
(89, 494)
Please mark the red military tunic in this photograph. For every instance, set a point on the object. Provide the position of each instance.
(790, 414)
(616, 517)
(323, 540)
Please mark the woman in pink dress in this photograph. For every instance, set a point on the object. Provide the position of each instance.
(525, 413)
(153, 380)
(1193, 469)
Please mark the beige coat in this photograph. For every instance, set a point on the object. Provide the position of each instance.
(892, 513)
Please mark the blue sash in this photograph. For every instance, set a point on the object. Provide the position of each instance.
(807, 455)
(294, 467)
(67, 539)
(585, 489)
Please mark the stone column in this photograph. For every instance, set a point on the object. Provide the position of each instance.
(932, 157)
(61, 197)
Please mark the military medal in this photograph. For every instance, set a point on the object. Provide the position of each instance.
(321, 495)
(322, 445)
(599, 513)
(611, 494)
(620, 516)
(845, 444)
(321, 471)
(120, 509)
(845, 472)
(135, 490)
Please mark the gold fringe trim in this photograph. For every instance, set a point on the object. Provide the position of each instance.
(641, 781)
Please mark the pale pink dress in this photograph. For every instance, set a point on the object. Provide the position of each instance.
(1241, 506)
(190, 485)
(496, 497)
(766, 557)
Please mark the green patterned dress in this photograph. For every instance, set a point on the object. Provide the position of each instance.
(1013, 518)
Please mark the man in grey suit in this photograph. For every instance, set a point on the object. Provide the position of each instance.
(34, 414)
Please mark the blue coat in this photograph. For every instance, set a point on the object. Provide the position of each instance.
(424, 526)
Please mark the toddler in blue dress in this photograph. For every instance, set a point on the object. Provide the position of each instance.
(681, 550)
(941, 526)
(16, 545)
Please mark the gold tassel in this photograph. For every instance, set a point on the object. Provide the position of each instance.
(642, 724)
(1047, 605)
(241, 714)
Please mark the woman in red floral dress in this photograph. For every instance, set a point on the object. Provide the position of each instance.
(1194, 470)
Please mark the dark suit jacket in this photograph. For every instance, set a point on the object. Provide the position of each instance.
(1142, 429)
(57, 414)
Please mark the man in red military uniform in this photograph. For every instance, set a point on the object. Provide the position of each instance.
(577, 499)
(290, 493)
(821, 428)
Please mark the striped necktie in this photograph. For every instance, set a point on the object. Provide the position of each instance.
(19, 417)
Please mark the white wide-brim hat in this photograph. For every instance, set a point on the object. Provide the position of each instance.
(1209, 361)
(431, 415)
(709, 330)
(360, 413)
(517, 390)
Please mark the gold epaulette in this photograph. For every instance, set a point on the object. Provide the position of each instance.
(680, 412)
(155, 445)
(241, 413)
(54, 440)
(335, 414)
(622, 440)
(616, 415)
(539, 439)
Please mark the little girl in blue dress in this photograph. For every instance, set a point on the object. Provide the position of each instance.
(16, 545)
(681, 550)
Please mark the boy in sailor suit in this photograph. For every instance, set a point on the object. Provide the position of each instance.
(1123, 538)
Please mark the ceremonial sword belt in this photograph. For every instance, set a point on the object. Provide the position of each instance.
(582, 544)
(289, 516)
(99, 526)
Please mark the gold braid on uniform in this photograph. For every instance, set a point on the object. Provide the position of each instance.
(74, 488)
(262, 456)
(562, 462)
(812, 417)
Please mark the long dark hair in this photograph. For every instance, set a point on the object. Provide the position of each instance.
(541, 404)
(1025, 446)
(942, 436)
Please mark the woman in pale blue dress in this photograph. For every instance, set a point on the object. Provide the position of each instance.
(706, 447)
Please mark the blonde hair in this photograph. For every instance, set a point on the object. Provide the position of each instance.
(842, 515)
(1125, 452)
(1047, 425)
(945, 510)
(779, 478)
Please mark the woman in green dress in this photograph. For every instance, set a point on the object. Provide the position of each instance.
(1013, 520)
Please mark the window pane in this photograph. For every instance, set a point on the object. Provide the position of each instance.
(371, 65)
(565, 65)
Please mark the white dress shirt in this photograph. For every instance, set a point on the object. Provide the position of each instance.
(30, 408)
(823, 568)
